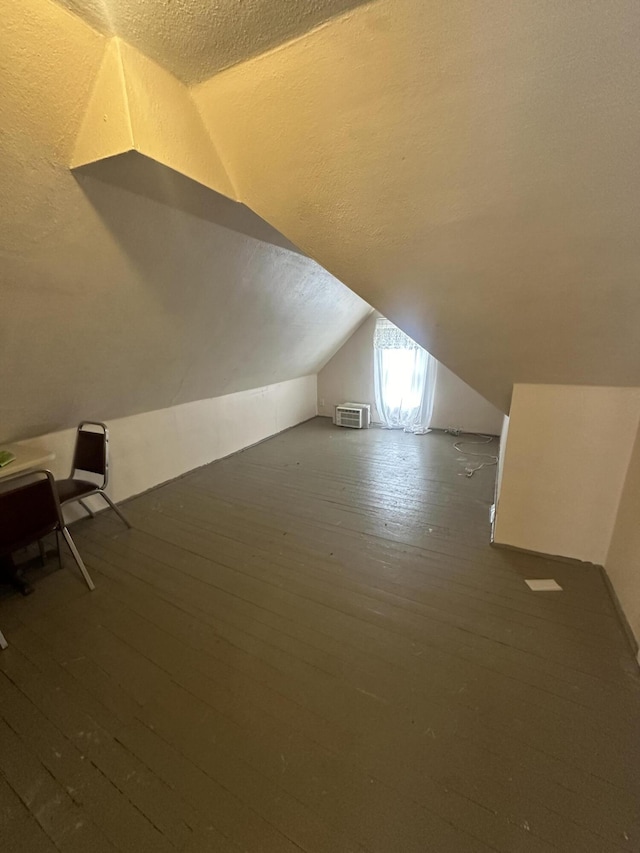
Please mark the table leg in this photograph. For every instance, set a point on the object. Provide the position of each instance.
(9, 573)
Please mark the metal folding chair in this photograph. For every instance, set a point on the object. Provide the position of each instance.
(91, 455)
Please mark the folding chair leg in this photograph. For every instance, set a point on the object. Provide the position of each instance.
(42, 552)
(58, 548)
(78, 558)
(115, 508)
(3, 642)
(86, 508)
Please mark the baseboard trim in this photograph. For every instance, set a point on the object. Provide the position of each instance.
(631, 637)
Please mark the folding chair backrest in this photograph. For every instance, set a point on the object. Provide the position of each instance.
(28, 510)
(91, 453)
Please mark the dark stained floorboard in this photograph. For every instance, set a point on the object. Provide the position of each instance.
(311, 646)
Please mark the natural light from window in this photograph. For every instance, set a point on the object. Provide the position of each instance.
(398, 378)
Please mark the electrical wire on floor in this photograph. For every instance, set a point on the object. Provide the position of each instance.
(470, 470)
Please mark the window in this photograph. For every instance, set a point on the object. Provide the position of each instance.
(404, 379)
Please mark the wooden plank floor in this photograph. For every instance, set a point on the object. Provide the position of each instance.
(311, 646)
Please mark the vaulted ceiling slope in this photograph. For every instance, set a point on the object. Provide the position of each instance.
(116, 300)
(468, 168)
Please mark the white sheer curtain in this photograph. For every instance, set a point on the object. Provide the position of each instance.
(405, 378)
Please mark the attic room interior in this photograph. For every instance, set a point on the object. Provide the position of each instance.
(228, 230)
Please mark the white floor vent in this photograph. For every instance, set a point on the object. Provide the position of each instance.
(354, 415)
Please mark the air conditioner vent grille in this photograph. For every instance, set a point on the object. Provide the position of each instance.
(354, 415)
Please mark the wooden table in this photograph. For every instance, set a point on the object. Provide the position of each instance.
(28, 458)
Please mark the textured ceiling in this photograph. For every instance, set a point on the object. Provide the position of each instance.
(196, 38)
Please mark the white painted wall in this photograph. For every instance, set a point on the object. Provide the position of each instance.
(152, 447)
(501, 454)
(349, 376)
(456, 404)
(565, 462)
(623, 560)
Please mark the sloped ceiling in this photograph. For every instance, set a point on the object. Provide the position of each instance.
(120, 300)
(470, 169)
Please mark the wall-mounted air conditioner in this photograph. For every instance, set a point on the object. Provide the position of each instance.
(354, 415)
